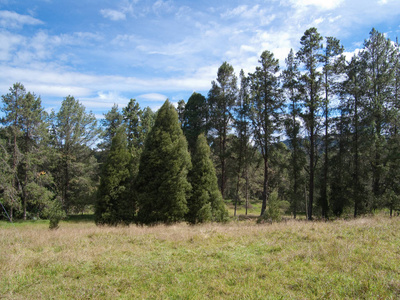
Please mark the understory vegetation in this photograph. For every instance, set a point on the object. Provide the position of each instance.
(341, 259)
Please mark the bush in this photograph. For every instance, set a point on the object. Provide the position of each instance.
(273, 212)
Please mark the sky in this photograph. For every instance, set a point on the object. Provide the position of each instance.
(105, 52)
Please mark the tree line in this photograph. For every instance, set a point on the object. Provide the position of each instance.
(318, 136)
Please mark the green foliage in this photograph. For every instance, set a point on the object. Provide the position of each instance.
(194, 119)
(74, 132)
(221, 100)
(205, 203)
(115, 203)
(54, 212)
(273, 212)
(162, 179)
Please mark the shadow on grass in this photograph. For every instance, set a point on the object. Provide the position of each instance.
(81, 218)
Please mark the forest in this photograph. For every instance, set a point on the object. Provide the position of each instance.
(317, 137)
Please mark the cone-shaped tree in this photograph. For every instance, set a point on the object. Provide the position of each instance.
(114, 203)
(205, 203)
(162, 183)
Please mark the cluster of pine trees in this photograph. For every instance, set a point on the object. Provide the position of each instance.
(319, 136)
(168, 184)
(321, 133)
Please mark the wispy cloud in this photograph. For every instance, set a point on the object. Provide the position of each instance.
(11, 19)
(113, 15)
(323, 5)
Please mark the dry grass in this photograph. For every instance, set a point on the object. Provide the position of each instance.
(297, 259)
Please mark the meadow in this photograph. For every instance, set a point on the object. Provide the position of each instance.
(341, 259)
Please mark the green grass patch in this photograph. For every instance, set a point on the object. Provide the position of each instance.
(355, 259)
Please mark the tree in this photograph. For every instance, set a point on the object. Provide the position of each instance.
(379, 57)
(147, 119)
(131, 118)
(12, 103)
(292, 89)
(181, 111)
(162, 180)
(242, 124)
(332, 61)
(194, 120)
(115, 204)
(74, 132)
(266, 109)
(111, 122)
(205, 203)
(310, 81)
(34, 130)
(221, 99)
(353, 112)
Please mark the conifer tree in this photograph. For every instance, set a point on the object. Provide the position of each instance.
(266, 107)
(114, 201)
(221, 99)
(309, 56)
(162, 183)
(290, 77)
(205, 203)
(194, 118)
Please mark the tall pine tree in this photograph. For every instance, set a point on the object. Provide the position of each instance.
(115, 204)
(162, 180)
(205, 203)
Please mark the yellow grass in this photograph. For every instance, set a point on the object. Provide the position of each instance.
(356, 259)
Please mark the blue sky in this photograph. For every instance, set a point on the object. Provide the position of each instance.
(108, 51)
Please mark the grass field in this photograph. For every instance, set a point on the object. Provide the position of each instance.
(355, 259)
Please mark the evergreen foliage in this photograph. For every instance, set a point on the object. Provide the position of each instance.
(115, 203)
(205, 203)
(194, 119)
(162, 179)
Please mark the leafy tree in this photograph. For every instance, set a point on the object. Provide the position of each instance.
(309, 56)
(194, 120)
(74, 132)
(115, 204)
(221, 98)
(205, 203)
(267, 104)
(162, 180)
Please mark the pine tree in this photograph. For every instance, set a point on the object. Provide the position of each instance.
(162, 180)
(242, 143)
(333, 61)
(266, 107)
(195, 118)
(310, 81)
(205, 203)
(290, 77)
(221, 99)
(74, 131)
(115, 204)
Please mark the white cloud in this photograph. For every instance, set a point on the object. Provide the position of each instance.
(321, 4)
(161, 6)
(113, 15)
(11, 19)
(152, 97)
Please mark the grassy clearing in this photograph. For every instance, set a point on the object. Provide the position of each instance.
(239, 260)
